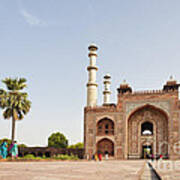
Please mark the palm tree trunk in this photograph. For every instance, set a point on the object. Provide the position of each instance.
(13, 126)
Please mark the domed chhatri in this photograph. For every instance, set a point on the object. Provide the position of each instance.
(171, 80)
(171, 85)
(124, 88)
(140, 124)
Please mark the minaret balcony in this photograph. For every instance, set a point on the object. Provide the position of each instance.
(92, 67)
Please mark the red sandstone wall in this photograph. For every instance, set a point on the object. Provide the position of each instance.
(118, 113)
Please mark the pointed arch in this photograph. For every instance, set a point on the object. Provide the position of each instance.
(105, 146)
(155, 120)
(150, 107)
(104, 127)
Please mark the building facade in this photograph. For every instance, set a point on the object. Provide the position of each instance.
(139, 121)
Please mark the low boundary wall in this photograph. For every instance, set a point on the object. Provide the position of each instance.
(50, 151)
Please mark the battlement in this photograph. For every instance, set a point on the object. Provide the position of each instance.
(148, 92)
(170, 86)
(103, 108)
(159, 91)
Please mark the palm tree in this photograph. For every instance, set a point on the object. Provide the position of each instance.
(13, 101)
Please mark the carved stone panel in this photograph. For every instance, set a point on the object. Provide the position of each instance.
(131, 106)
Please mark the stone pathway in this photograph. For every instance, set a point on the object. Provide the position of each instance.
(168, 170)
(80, 170)
(149, 173)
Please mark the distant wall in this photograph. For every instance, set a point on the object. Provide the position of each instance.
(50, 151)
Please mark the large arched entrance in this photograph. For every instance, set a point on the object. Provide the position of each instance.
(147, 130)
(105, 146)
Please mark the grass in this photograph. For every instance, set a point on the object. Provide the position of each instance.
(66, 157)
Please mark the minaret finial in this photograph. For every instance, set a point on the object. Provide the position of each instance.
(171, 77)
(124, 82)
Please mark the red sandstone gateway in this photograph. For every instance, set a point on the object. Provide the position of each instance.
(138, 125)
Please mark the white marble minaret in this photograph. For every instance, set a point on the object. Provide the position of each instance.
(92, 69)
(107, 91)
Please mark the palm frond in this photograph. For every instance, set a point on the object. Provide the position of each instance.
(15, 84)
(7, 114)
(22, 80)
(2, 92)
(20, 115)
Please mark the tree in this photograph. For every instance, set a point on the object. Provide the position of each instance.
(22, 145)
(57, 140)
(79, 145)
(13, 101)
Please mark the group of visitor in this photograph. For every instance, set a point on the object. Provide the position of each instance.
(153, 157)
(98, 156)
(12, 150)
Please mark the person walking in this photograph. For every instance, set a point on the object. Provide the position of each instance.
(106, 155)
(3, 148)
(0, 152)
(152, 157)
(96, 157)
(14, 150)
(160, 157)
(100, 156)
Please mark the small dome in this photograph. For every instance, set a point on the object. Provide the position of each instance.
(124, 84)
(93, 47)
(107, 76)
(124, 87)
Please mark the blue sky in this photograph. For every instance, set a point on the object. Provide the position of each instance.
(46, 42)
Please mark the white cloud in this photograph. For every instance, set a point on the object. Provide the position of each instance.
(32, 20)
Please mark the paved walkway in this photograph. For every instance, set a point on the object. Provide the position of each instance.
(81, 170)
(168, 170)
(149, 173)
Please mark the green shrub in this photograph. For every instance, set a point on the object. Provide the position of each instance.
(44, 157)
(66, 157)
(29, 156)
(58, 157)
(76, 146)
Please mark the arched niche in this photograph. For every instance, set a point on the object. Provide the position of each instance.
(105, 146)
(105, 127)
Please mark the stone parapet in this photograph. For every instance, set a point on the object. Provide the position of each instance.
(104, 108)
(148, 92)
